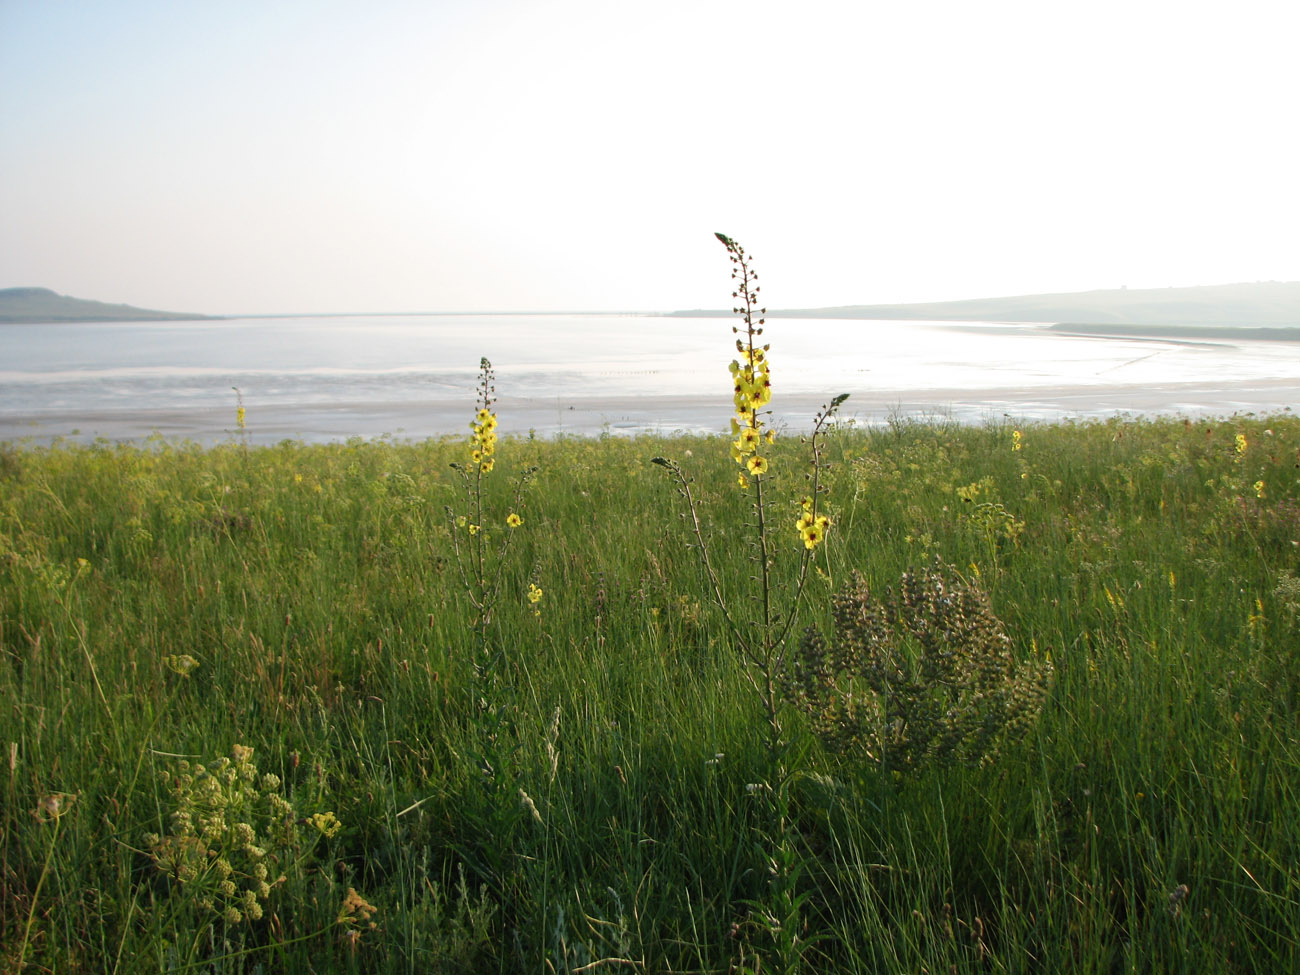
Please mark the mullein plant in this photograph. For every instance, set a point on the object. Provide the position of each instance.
(761, 625)
(481, 540)
(761, 632)
(241, 418)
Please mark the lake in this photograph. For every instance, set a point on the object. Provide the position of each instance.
(329, 378)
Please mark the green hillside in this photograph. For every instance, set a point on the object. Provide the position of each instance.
(1267, 303)
(41, 305)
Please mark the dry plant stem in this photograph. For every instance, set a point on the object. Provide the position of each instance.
(36, 895)
(684, 488)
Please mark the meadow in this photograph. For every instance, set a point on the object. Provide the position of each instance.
(252, 721)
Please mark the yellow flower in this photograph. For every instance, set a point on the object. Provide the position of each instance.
(513, 520)
(757, 465)
(486, 466)
(748, 441)
(1015, 440)
(770, 436)
(473, 529)
(534, 594)
(327, 823)
(813, 530)
(742, 480)
(1259, 489)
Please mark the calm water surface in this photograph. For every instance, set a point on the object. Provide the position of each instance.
(581, 372)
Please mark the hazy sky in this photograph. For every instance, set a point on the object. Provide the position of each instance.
(225, 156)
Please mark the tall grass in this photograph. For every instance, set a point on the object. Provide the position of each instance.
(1148, 822)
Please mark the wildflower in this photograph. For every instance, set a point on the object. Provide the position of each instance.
(1259, 489)
(757, 465)
(355, 908)
(473, 529)
(748, 441)
(534, 594)
(742, 480)
(1239, 443)
(180, 663)
(1015, 440)
(513, 520)
(812, 530)
(52, 807)
(327, 823)
(770, 436)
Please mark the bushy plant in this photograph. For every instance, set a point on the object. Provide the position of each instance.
(233, 835)
(924, 676)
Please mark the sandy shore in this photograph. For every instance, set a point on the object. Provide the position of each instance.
(588, 416)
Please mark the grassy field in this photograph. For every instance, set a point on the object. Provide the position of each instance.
(582, 782)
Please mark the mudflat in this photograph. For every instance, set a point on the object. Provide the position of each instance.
(632, 414)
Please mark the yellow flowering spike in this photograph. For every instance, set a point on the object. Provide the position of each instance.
(534, 594)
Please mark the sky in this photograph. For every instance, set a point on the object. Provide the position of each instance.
(284, 156)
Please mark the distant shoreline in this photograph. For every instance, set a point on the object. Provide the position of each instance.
(1261, 304)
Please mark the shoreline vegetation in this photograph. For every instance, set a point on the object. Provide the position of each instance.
(246, 726)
